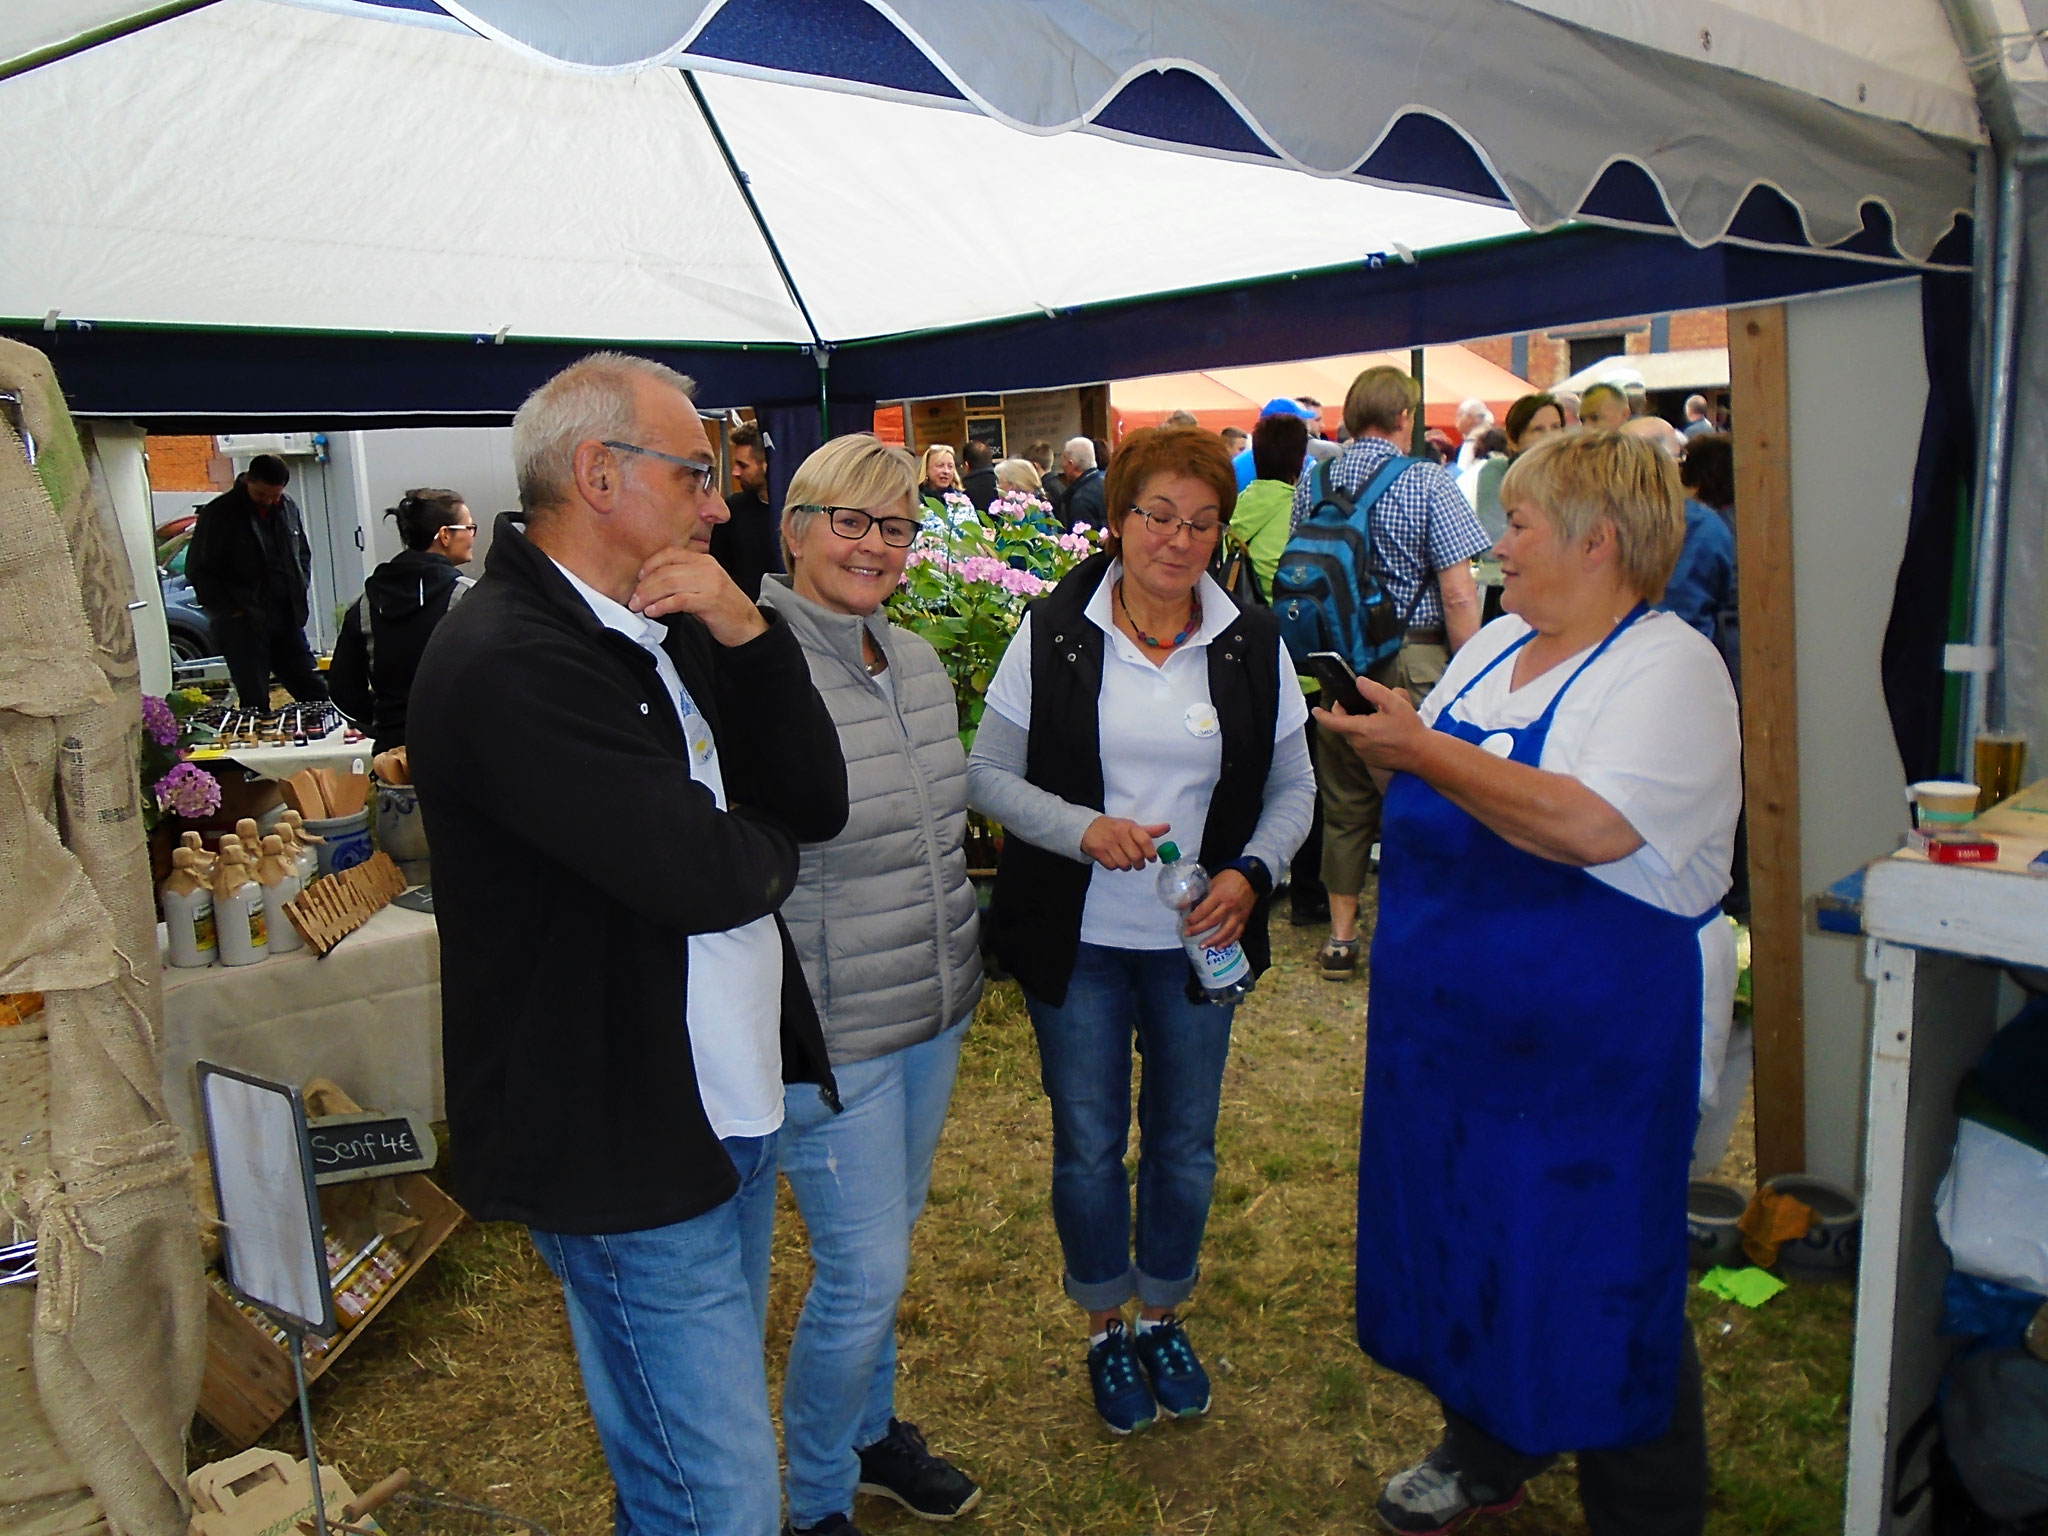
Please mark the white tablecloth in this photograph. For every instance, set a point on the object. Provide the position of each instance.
(368, 1016)
(329, 751)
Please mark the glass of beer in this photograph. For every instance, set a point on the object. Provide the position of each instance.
(2001, 760)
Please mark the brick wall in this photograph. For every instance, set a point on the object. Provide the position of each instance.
(187, 464)
(1699, 328)
(1550, 358)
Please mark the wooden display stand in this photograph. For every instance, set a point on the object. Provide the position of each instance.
(1937, 935)
(249, 1385)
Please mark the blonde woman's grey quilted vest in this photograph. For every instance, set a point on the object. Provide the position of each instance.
(883, 915)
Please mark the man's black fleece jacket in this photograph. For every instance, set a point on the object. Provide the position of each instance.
(573, 855)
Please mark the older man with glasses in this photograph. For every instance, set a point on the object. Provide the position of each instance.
(621, 1007)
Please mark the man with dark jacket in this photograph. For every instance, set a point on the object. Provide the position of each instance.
(749, 542)
(979, 483)
(617, 755)
(1084, 484)
(249, 564)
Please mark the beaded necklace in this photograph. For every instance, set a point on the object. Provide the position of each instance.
(1179, 640)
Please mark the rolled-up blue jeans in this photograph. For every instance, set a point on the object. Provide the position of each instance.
(668, 1326)
(860, 1179)
(1084, 1053)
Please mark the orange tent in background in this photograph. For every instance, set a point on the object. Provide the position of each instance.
(1232, 397)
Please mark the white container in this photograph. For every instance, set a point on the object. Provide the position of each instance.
(281, 885)
(240, 921)
(188, 915)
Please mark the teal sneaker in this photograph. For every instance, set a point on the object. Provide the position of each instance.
(1121, 1396)
(1179, 1384)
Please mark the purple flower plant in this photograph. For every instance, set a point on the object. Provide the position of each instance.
(188, 791)
(158, 721)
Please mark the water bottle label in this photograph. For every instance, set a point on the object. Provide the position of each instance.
(1224, 967)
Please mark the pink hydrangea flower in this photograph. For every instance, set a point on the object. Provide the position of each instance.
(158, 720)
(188, 791)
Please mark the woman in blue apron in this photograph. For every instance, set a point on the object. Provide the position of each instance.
(1559, 824)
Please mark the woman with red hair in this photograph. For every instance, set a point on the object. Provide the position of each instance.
(1138, 704)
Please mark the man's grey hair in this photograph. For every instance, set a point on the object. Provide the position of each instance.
(1080, 452)
(1478, 410)
(589, 401)
(1696, 406)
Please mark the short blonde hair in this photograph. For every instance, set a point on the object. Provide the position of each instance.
(1583, 477)
(1378, 398)
(588, 401)
(857, 470)
(924, 461)
(1019, 475)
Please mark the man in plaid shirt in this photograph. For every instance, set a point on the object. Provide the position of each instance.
(1424, 536)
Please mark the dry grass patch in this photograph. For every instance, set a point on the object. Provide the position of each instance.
(469, 1377)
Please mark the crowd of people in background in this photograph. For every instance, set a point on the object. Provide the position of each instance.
(1539, 765)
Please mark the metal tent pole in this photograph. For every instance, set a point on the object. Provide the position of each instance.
(822, 350)
(1980, 46)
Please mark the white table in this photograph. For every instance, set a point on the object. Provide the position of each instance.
(368, 1016)
(331, 751)
(1937, 935)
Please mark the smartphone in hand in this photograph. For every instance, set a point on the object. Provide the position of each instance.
(1340, 683)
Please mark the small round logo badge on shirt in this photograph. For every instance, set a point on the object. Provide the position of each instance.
(1500, 744)
(1201, 720)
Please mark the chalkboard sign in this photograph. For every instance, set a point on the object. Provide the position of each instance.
(369, 1146)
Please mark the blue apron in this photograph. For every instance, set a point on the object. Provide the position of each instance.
(1531, 1095)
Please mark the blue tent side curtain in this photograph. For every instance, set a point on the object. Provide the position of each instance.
(179, 378)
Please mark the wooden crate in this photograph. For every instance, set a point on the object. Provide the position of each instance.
(248, 1385)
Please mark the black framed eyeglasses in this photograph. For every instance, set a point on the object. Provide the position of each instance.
(706, 473)
(1166, 524)
(854, 522)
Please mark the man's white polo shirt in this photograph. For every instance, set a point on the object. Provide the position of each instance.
(734, 1005)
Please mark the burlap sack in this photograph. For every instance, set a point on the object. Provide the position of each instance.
(118, 1340)
(46, 641)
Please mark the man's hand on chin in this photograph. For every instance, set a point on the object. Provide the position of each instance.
(681, 579)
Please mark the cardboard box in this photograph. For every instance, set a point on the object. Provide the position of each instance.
(249, 1385)
(261, 1493)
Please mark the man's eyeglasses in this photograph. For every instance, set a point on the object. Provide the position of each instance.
(705, 474)
(854, 522)
(1165, 524)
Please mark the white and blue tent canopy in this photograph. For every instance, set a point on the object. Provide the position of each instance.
(251, 208)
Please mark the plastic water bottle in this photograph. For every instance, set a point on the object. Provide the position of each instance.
(1223, 971)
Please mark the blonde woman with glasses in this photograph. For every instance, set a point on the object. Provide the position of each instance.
(883, 918)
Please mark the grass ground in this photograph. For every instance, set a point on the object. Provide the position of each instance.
(469, 1378)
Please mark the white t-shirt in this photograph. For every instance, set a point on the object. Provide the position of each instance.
(1651, 728)
(1162, 751)
(734, 1002)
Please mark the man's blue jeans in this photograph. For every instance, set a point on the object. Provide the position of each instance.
(668, 1326)
(1084, 1053)
(860, 1179)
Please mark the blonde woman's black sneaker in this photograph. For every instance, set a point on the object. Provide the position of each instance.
(902, 1467)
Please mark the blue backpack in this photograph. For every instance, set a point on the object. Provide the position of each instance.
(1327, 592)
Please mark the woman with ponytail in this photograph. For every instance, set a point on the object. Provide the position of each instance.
(386, 629)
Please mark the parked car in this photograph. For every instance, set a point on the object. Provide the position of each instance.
(191, 631)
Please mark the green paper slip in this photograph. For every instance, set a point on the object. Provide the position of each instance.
(1751, 1287)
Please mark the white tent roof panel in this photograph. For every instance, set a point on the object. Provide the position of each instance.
(260, 165)
(895, 217)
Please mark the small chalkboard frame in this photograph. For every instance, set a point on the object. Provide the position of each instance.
(321, 1136)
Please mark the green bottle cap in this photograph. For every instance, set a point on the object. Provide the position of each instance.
(1169, 853)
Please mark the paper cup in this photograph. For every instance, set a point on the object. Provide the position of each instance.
(1942, 802)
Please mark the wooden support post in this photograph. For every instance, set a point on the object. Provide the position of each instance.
(1770, 731)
